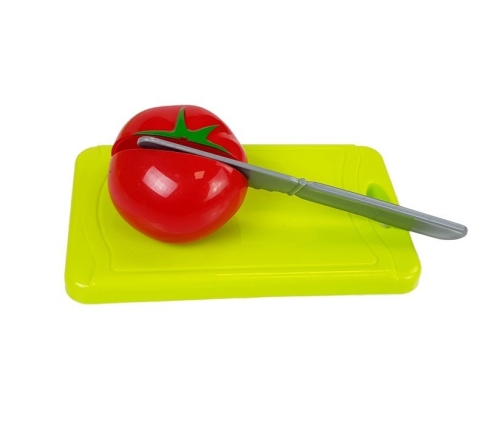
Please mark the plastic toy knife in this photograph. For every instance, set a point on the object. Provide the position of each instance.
(378, 210)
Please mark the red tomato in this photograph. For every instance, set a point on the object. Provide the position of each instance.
(173, 196)
(191, 122)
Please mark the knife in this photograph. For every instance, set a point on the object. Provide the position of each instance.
(359, 204)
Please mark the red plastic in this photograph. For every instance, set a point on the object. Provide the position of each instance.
(173, 196)
(164, 118)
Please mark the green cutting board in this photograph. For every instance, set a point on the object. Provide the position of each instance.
(275, 245)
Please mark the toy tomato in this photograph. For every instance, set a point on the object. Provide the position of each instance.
(173, 196)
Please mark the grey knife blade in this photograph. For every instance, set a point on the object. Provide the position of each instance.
(378, 210)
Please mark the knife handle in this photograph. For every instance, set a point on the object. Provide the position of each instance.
(381, 211)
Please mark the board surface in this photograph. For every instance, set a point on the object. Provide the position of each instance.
(275, 245)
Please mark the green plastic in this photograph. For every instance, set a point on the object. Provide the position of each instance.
(275, 245)
(182, 132)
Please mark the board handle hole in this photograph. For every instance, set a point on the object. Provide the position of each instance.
(376, 191)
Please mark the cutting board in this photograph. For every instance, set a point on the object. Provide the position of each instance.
(275, 245)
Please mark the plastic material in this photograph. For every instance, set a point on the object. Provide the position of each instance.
(172, 196)
(193, 126)
(273, 246)
(375, 209)
(176, 197)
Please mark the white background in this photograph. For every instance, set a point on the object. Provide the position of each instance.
(418, 81)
